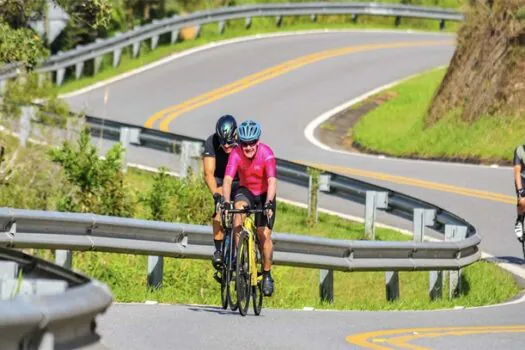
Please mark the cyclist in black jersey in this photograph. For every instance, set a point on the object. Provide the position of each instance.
(217, 149)
(519, 182)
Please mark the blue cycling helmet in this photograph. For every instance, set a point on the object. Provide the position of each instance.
(249, 130)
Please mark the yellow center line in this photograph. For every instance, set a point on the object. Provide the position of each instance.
(498, 197)
(367, 339)
(167, 115)
(402, 342)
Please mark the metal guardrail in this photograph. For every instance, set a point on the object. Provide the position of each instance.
(86, 232)
(94, 232)
(94, 51)
(51, 319)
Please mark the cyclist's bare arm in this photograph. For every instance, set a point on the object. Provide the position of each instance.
(227, 187)
(209, 177)
(272, 188)
(517, 176)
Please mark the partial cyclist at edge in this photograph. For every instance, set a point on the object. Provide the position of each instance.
(255, 164)
(519, 181)
(217, 148)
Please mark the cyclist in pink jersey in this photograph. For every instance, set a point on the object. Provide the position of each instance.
(254, 162)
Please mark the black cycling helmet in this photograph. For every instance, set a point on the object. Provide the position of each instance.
(226, 129)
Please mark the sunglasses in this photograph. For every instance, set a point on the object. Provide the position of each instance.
(228, 143)
(247, 144)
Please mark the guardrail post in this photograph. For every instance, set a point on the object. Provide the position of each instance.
(392, 285)
(313, 18)
(3, 86)
(97, 63)
(455, 233)
(154, 42)
(190, 158)
(116, 57)
(64, 258)
(155, 269)
(355, 18)
(61, 72)
(222, 26)
(197, 31)
(422, 218)
(248, 23)
(442, 24)
(374, 200)
(174, 36)
(326, 285)
(124, 140)
(397, 21)
(313, 195)
(135, 49)
(79, 68)
(278, 20)
(42, 77)
(25, 124)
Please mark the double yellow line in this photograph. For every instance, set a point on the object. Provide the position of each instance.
(417, 183)
(167, 115)
(399, 338)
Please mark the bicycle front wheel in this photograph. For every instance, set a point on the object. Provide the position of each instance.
(244, 289)
(257, 298)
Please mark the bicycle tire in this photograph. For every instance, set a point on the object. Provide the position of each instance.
(224, 288)
(244, 290)
(523, 247)
(232, 292)
(257, 298)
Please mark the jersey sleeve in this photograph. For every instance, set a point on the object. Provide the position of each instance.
(270, 166)
(233, 164)
(209, 150)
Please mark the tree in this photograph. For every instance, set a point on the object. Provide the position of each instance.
(486, 75)
(18, 43)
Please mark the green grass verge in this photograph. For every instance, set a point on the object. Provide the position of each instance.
(191, 281)
(397, 128)
(234, 29)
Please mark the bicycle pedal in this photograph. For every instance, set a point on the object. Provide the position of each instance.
(217, 277)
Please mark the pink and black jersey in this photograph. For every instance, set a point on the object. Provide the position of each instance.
(253, 173)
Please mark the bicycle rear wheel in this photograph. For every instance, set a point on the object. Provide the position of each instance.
(244, 289)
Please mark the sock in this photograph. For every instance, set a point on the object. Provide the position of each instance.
(267, 273)
(218, 244)
(520, 218)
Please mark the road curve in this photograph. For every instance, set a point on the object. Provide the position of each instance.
(199, 85)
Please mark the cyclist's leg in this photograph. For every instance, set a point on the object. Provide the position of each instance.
(218, 231)
(264, 233)
(242, 198)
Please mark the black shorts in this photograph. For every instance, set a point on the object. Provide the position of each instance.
(256, 202)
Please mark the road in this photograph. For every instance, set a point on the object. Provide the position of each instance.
(285, 83)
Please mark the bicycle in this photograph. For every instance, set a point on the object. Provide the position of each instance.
(249, 279)
(227, 269)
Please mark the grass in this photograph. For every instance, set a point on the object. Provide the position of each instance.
(191, 281)
(234, 29)
(490, 139)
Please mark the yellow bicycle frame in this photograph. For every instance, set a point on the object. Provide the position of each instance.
(249, 226)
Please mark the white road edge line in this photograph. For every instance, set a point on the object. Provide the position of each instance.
(309, 131)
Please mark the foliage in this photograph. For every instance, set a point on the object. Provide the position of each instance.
(94, 185)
